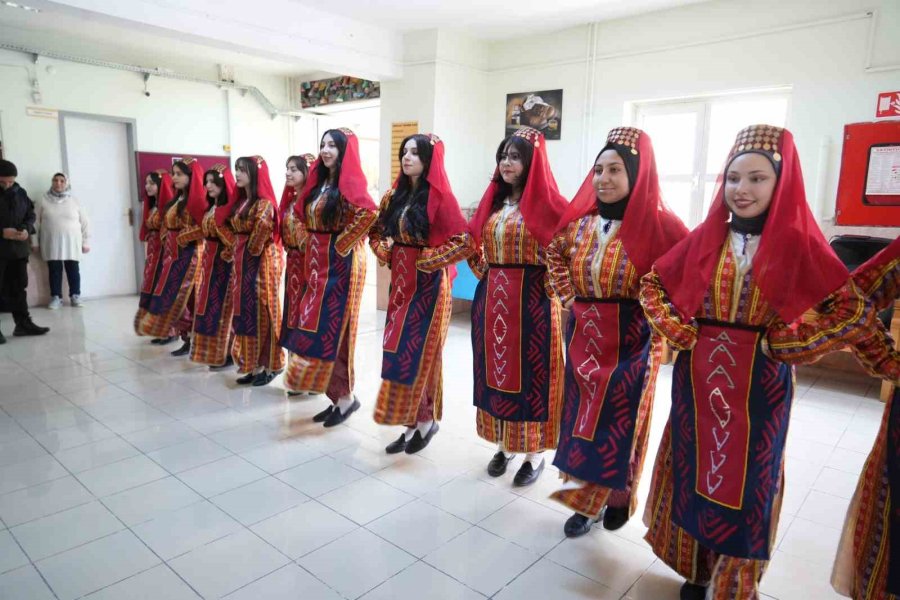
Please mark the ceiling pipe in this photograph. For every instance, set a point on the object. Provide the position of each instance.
(254, 91)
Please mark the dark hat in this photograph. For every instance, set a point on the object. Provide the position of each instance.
(8, 169)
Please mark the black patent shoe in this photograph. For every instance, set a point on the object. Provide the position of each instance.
(248, 378)
(337, 417)
(527, 474)
(498, 464)
(185, 349)
(397, 446)
(692, 591)
(577, 525)
(2, 339)
(323, 416)
(263, 378)
(418, 442)
(163, 341)
(229, 362)
(29, 328)
(615, 518)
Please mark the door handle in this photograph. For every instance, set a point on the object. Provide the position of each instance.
(131, 217)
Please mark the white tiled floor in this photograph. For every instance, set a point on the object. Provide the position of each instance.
(128, 474)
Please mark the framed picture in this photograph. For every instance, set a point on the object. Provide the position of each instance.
(541, 110)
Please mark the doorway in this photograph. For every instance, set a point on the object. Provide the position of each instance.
(97, 156)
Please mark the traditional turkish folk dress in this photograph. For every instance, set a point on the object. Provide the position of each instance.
(611, 366)
(718, 480)
(171, 298)
(256, 303)
(335, 270)
(293, 237)
(152, 226)
(214, 299)
(868, 558)
(418, 316)
(517, 341)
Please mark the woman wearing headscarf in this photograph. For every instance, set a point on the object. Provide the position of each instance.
(615, 228)
(730, 296)
(171, 300)
(257, 274)
(62, 234)
(420, 234)
(337, 212)
(516, 331)
(214, 306)
(293, 236)
(868, 557)
(158, 192)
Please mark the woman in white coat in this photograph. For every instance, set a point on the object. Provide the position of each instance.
(62, 236)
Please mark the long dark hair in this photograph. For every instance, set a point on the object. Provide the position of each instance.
(333, 212)
(416, 199)
(182, 197)
(300, 163)
(248, 164)
(219, 182)
(504, 190)
(157, 179)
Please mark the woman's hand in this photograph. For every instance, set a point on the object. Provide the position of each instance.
(11, 233)
(568, 303)
(85, 248)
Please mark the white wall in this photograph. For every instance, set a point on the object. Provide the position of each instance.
(178, 116)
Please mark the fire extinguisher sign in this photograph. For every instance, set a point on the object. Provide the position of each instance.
(888, 105)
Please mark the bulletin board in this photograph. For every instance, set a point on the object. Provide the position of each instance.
(151, 161)
(869, 187)
(399, 132)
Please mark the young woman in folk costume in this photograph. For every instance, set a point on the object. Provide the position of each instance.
(172, 301)
(420, 234)
(256, 273)
(516, 331)
(212, 337)
(615, 228)
(730, 296)
(293, 236)
(868, 558)
(338, 212)
(158, 193)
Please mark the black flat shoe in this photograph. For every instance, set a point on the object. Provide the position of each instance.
(163, 341)
(2, 339)
(527, 474)
(497, 466)
(397, 446)
(322, 416)
(577, 525)
(29, 328)
(229, 362)
(692, 591)
(264, 378)
(185, 349)
(337, 417)
(615, 518)
(248, 378)
(418, 442)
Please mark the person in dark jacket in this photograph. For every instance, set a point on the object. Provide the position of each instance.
(16, 226)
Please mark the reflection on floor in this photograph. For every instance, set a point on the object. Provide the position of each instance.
(126, 473)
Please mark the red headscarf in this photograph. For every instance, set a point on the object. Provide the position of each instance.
(445, 219)
(164, 194)
(887, 254)
(352, 183)
(542, 205)
(289, 193)
(649, 229)
(264, 191)
(794, 267)
(224, 211)
(196, 193)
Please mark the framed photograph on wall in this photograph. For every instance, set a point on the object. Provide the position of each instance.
(541, 110)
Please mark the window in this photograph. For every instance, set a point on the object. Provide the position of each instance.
(692, 137)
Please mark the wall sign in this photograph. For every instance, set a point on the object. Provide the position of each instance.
(400, 131)
(541, 110)
(888, 105)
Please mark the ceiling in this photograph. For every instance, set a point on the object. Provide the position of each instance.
(94, 30)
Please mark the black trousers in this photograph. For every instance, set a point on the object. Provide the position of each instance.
(13, 285)
(73, 275)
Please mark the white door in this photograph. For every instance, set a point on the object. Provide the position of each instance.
(98, 163)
